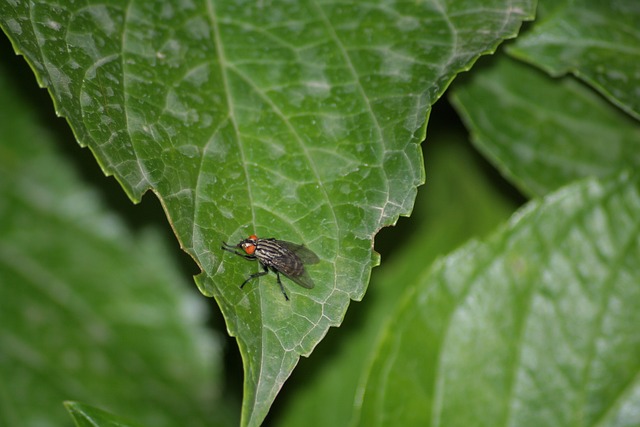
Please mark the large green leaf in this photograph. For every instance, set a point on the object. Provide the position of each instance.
(543, 133)
(593, 39)
(89, 309)
(299, 121)
(536, 327)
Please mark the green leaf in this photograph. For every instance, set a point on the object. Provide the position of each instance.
(88, 416)
(89, 309)
(535, 327)
(593, 39)
(543, 133)
(299, 121)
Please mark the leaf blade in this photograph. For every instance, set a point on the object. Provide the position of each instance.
(581, 36)
(527, 125)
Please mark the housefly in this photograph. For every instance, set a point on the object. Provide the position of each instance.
(278, 256)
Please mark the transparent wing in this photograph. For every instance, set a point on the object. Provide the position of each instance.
(305, 254)
(303, 279)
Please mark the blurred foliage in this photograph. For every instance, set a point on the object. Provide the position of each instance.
(302, 123)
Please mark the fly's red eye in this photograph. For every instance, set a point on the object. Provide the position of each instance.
(249, 248)
(253, 237)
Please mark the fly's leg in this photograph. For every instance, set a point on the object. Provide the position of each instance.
(254, 275)
(281, 287)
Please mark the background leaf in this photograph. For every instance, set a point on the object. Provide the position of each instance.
(89, 309)
(596, 41)
(538, 326)
(543, 133)
(88, 416)
(299, 121)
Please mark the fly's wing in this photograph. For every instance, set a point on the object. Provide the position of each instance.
(303, 280)
(292, 262)
(305, 254)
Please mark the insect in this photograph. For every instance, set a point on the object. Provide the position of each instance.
(278, 256)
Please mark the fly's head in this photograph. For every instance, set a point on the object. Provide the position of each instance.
(249, 244)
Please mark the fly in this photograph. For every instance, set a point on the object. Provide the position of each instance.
(278, 256)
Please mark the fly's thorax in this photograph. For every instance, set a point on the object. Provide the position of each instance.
(273, 254)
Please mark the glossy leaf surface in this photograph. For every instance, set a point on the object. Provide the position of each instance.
(594, 40)
(543, 133)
